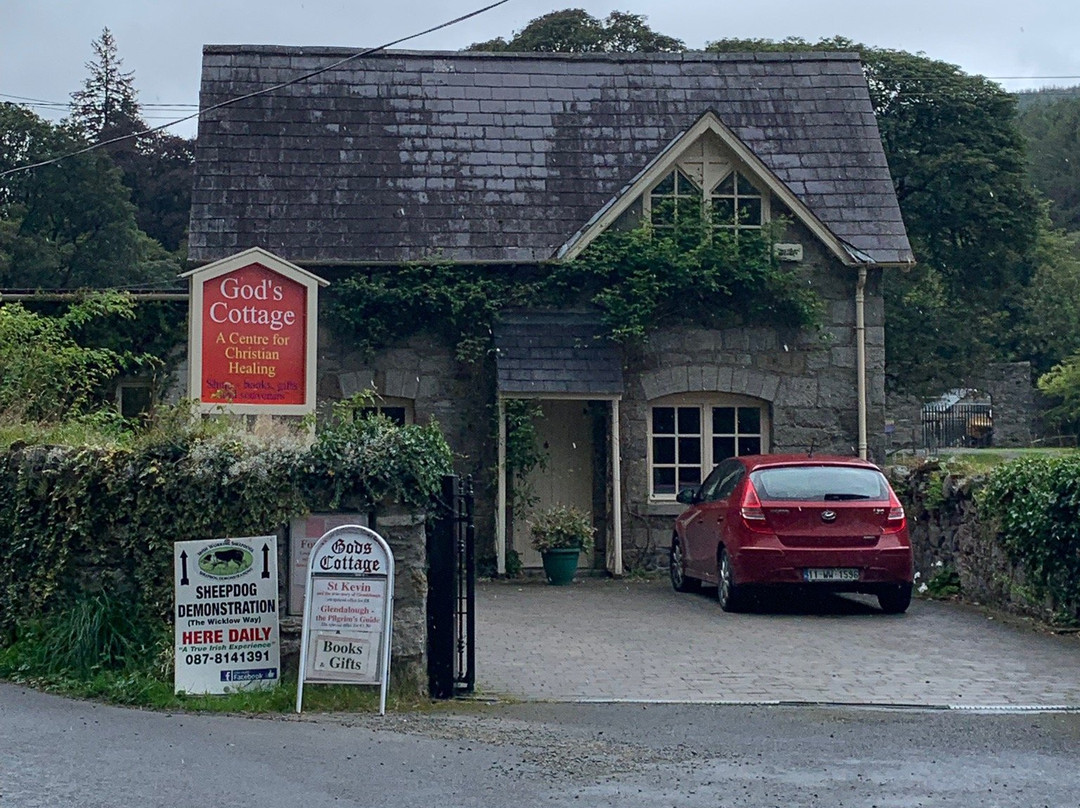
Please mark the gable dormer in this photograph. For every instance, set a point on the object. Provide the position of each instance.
(705, 173)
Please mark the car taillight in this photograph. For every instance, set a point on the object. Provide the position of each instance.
(896, 519)
(750, 508)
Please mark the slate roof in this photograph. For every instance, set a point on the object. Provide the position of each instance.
(406, 155)
(565, 353)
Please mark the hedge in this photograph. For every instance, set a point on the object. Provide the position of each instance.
(78, 519)
(1032, 506)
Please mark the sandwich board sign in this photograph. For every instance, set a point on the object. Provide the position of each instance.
(226, 619)
(348, 612)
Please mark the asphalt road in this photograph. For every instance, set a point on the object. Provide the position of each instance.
(56, 752)
(630, 695)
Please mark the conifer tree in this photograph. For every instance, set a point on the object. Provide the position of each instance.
(107, 105)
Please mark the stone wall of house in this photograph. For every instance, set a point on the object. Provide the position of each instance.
(459, 396)
(807, 378)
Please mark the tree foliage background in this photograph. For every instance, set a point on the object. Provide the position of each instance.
(575, 31)
(112, 217)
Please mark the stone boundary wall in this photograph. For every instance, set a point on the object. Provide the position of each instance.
(946, 534)
(1015, 401)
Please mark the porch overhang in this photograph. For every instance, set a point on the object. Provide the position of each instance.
(558, 355)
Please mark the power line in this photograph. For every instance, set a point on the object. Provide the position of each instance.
(265, 91)
(32, 102)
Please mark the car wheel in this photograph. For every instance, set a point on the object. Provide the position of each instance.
(895, 599)
(680, 581)
(727, 591)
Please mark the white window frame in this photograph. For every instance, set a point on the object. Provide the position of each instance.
(707, 163)
(705, 402)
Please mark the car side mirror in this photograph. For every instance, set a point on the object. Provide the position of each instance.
(687, 496)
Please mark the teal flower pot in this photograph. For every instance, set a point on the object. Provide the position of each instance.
(560, 565)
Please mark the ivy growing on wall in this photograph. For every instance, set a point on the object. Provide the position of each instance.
(84, 519)
(639, 280)
(1033, 506)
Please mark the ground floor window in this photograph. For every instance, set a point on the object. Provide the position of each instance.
(688, 435)
(135, 397)
(398, 410)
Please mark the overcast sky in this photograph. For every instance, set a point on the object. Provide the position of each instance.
(45, 44)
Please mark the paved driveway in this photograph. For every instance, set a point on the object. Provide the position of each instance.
(602, 639)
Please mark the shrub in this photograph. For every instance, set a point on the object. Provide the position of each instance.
(1033, 505)
(93, 519)
(562, 527)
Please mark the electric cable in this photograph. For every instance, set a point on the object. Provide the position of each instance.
(256, 93)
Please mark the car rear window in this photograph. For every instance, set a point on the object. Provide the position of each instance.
(819, 483)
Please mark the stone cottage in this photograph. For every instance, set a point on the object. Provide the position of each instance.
(517, 163)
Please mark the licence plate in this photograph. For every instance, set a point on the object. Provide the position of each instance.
(831, 574)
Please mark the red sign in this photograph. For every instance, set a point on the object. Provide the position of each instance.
(254, 327)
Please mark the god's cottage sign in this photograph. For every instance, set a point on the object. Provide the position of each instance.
(348, 611)
(252, 335)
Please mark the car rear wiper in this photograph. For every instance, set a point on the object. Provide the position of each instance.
(845, 497)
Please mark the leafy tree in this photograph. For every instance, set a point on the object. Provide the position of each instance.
(957, 161)
(1052, 130)
(575, 31)
(160, 176)
(156, 166)
(69, 224)
(1052, 331)
(46, 374)
(1062, 385)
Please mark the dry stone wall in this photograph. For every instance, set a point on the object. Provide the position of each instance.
(946, 535)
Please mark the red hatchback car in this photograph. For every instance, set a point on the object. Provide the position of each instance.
(794, 520)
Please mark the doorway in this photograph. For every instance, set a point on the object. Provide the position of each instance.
(565, 434)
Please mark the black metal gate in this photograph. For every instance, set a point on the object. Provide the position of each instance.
(451, 620)
(959, 424)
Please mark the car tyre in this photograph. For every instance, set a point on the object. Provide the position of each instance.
(895, 599)
(680, 581)
(728, 592)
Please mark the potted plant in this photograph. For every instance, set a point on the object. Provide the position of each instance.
(560, 534)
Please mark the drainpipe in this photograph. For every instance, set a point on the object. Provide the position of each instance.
(860, 356)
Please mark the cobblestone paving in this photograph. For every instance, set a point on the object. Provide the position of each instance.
(602, 639)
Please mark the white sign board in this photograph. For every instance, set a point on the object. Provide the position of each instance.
(788, 252)
(304, 531)
(226, 614)
(348, 611)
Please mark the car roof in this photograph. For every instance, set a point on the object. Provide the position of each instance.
(754, 462)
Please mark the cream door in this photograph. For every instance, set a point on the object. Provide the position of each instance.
(565, 433)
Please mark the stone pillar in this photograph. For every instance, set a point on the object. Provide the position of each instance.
(1012, 396)
(404, 532)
